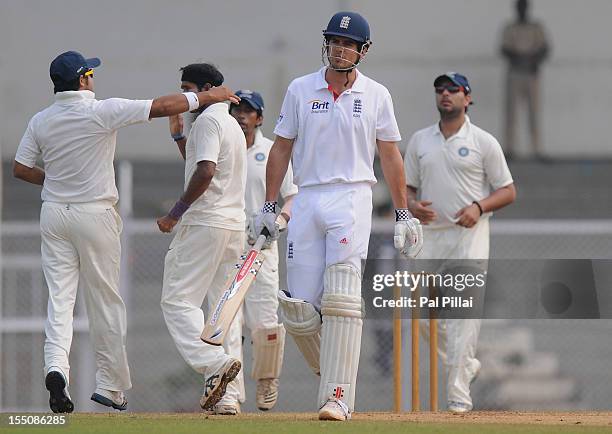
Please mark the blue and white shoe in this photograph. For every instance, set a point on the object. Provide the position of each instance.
(59, 398)
(110, 398)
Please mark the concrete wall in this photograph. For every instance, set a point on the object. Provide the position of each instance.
(262, 45)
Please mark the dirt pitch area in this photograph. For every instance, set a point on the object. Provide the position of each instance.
(307, 423)
(588, 418)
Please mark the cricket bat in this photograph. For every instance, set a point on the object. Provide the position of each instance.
(236, 288)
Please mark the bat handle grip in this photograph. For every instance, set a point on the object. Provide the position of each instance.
(265, 233)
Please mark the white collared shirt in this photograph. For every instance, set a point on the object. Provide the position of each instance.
(76, 138)
(257, 159)
(453, 172)
(216, 136)
(335, 141)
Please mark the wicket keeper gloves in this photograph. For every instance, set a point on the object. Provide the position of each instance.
(408, 237)
(267, 219)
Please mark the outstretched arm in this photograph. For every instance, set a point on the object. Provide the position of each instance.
(177, 103)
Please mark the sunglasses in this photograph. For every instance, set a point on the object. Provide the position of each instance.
(451, 88)
(89, 73)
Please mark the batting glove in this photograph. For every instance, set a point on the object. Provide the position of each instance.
(408, 237)
(267, 219)
(252, 235)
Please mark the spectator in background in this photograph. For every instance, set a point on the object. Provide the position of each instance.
(525, 47)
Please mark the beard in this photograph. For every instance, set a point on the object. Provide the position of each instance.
(450, 113)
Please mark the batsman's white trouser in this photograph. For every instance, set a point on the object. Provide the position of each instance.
(331, 226)
(80, 244)
(458, 338)
(198, 262)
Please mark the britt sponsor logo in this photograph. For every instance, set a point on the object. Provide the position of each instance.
(344, 241)
(290, 250)
(357, 108)
(318, 106)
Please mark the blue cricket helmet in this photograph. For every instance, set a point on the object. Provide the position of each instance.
(350, 25)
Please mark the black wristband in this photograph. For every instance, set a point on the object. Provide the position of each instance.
(269, 206)
(402, 214)
(479, 207)
(177, 137)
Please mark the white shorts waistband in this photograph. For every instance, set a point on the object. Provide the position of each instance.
(336, 187)
(96, 206)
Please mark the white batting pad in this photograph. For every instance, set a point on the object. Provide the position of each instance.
(268, 348)
(303, 323)
(341, 333)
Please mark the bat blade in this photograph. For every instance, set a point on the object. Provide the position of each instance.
(232, 297)
(235, 290)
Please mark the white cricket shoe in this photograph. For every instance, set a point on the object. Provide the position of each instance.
(458, 407)
(216, 383)
(267, 393)
(334, 409)
(227, 407)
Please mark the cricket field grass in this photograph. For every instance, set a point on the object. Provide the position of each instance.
(298, 423)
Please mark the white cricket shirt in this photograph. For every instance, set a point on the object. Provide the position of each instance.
(257, 158)
(76, 138)
(335, 141)
(455, 172)
(216, 136)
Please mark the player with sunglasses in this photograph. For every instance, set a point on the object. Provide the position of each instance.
(456, 175)
(75, 138)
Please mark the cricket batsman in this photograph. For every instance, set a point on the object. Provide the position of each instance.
(331, 123)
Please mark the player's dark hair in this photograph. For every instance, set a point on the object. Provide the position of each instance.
(202, 73)
(63, 86)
